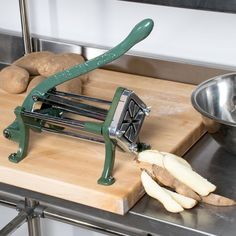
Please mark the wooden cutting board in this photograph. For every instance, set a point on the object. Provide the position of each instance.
(69, 168)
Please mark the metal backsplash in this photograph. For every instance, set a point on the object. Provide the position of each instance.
(11, 48)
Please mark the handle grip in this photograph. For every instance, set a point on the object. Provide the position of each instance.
(138, 33)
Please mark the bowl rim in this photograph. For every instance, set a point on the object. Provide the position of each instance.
(202, 86)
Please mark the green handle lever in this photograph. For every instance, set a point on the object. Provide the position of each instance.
(139, 32)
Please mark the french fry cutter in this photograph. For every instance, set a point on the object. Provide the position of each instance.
(46, 109)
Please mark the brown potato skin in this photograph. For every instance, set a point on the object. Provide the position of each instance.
(52, 65)
(14, 79)
(31, 61)
(34, 82)
(217, 200)
(41, 65)
(166, 179)
(72, 86)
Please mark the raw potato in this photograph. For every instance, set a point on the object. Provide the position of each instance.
(156, 157)
(31, 61)
(189, 177)
(47, 64)
(184, 201)
(180, 159)
(165, 178)
(79, 60)
(217, 200)
(71, 86)
(157, 192)
(34, 82)
(152, 157)
(52, 65)
(14, 79)
(176, 173)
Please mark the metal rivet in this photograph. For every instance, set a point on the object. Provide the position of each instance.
(6, 134)
(133, 147)
(35, 98)
(147, 111)
(119, 133)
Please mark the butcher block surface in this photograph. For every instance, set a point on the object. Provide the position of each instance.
(68, 168)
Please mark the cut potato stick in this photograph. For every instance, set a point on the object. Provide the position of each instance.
(185, 202)
(156, 157)
(152, 157)
(217, 200)
(180, 159)
(165, 178)
(189, 177)
(157, 192)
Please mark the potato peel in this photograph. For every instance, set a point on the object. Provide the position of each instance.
(165, 178)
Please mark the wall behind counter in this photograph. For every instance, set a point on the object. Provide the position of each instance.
(196, 36)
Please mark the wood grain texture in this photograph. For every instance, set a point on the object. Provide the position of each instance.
(69, 168)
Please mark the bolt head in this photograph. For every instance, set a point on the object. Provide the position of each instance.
(6, 134)
(133, 147)
(119, 133)
(35, 98)
(147, 111)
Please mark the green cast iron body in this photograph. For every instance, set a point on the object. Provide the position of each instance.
(18, 131)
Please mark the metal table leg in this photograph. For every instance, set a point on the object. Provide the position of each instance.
(27, 213)
(13, 225)
(25, 26)
(34, 227)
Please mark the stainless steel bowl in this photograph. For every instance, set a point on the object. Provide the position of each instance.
(215, 99)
